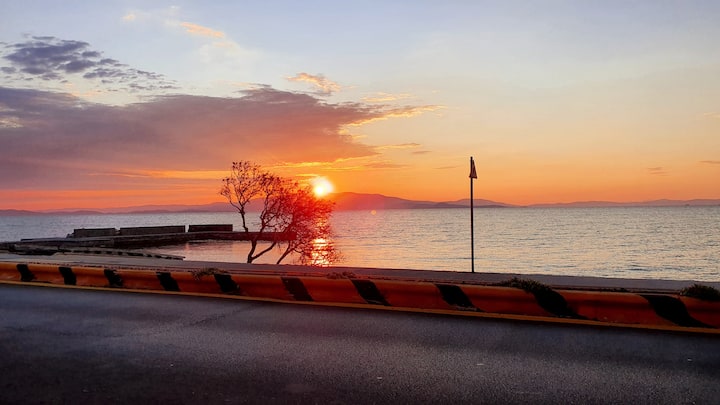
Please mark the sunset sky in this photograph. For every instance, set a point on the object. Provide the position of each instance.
(123, 103)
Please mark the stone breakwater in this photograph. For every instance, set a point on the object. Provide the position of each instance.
(136, 238)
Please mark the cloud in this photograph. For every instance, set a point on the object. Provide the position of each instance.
(657, 171)
(398, 146)
(199, 30)
(385, 98)
(54, 59)
(383, 165)
(169, 174)
(57, 140)
(326, 87)
(420, 152)
(401, 112)
(710, 162)
(712, 115)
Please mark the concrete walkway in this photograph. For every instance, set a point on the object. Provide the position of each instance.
(566, 282)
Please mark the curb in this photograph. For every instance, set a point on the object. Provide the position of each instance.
(616, 308)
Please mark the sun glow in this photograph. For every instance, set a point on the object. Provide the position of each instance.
(321, 186)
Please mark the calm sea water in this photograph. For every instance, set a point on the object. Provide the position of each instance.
(669, 243)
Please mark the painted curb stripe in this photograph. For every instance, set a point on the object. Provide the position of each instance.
(45, 273)
(227, 284)
(8, 271)
(504, 300)
(140, 280)
(707, 312)
(189, 282)
(167, 281)
(553, 302)
(25, 273)
(114, 280)
(411, 294)
(296, 287)
(455, 296)
(613, 306)
(90, 276)
(369, 292)
(68, 275)
(673, 310)
(262, 286)
(333, 290)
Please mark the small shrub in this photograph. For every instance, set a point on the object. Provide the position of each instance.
(345, 274)
(701, 292)
(208, 271)
(530, 286)
(549, 299)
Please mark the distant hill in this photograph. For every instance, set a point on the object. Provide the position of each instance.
(358, 201)
(150, 209)
(480, 203)
(18, 213)
(653, 203)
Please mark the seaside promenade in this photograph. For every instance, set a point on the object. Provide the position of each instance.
(114, 329)
(69, 345)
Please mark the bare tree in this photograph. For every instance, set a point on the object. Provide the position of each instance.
(291, 216)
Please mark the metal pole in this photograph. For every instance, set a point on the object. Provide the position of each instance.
(472, 215)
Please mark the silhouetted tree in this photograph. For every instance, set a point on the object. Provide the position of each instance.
(308, 219)
(287, 210)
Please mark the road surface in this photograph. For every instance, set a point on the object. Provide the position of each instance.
(62, 345)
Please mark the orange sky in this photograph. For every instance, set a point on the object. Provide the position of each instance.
(556, 102)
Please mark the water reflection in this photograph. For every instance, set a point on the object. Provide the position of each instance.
(322, 253)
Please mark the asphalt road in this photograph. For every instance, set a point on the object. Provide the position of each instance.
(80, 346)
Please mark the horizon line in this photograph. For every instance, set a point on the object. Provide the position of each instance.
(170, 207)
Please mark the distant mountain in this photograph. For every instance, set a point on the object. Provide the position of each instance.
(653, 203)
(150, 209)
(74, 212)
(357, 201)
(480, 203)
(17, 213)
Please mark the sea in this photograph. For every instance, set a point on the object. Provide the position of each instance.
(675, 243)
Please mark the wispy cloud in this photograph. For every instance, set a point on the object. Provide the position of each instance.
(710, 162)
(169, 174)
(657, 171)
(213, 47)
(403, 112)
(712, 115)
(420, 152)
(385, 98)
(324, 85)
(384, 165)
(199, 30)
(398, 146)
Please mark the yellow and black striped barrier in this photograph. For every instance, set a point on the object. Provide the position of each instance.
(621, 308)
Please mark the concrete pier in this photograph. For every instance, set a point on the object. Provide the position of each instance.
(139, 237)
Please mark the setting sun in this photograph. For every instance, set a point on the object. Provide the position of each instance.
(321, 186)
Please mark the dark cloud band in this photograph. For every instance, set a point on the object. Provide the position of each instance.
(58, 138)
(50, 58)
